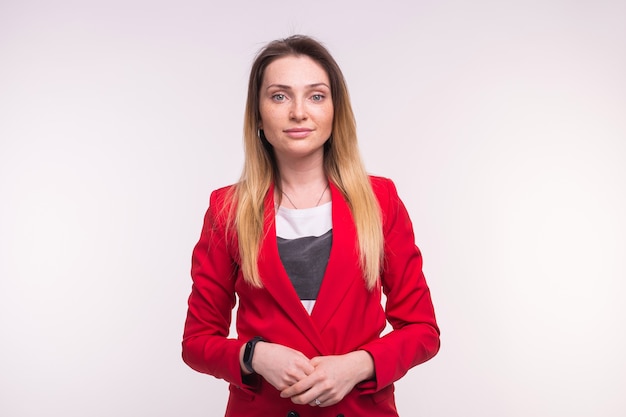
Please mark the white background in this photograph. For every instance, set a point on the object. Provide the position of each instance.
(502, 123)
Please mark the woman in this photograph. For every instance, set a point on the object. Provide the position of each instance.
(306, 241)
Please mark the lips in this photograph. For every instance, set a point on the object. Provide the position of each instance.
(298, 132)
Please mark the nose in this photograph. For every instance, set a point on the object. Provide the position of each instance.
(298, 110)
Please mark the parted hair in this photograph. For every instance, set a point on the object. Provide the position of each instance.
(342, 164)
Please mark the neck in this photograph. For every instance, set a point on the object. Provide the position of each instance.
(304, 186)
(306, 172)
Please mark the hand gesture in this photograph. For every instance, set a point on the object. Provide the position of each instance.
(332, 379)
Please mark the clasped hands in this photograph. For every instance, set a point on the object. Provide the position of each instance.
(320, 381)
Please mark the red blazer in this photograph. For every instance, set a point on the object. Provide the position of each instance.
(346, 316)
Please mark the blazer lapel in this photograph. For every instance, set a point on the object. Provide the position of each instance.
(276, 280)
(343, 262)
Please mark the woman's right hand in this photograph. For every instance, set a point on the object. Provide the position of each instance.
(280, 365)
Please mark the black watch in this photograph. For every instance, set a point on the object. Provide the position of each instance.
(248, 352)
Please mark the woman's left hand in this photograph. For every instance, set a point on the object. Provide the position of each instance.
(333, 378)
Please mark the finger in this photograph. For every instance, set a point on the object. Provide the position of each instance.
(316, 403)
(307, 398)
(298, 388)
(294, 377)
(307, 367)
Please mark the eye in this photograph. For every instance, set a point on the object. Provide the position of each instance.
(317, 97)
(278, 97)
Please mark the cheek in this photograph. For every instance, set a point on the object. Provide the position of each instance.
(329, 117)
(268, 117)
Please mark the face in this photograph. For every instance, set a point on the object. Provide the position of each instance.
(296, 108)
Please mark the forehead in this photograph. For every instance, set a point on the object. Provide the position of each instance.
(295, 71)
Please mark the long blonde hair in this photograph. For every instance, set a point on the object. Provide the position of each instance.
(342, 164)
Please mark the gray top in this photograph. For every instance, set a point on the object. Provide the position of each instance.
(304, 240)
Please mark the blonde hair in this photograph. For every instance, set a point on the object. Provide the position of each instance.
(342, 164)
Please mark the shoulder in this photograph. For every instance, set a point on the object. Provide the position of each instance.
(384, 189)
(221, 205)
(223, 196)
(388, 200)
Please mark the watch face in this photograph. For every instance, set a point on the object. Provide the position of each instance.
(247, 356)
(247, 351)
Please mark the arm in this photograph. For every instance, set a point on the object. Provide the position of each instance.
(415, 337)
(409, 309)
(206, 346)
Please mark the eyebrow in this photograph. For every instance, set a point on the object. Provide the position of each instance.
(287, 87)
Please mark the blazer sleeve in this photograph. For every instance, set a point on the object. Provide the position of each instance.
(206, 346)
(409, 309)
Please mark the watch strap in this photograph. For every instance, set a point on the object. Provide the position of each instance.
(248, 352)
